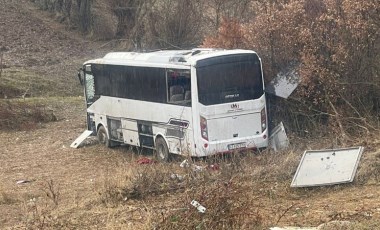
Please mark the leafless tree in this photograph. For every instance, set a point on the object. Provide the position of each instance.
(131, 19)
(85, 17)
(233, 9)
(1, 64)
(176, 24)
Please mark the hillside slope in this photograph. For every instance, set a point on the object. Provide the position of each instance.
(39, 52)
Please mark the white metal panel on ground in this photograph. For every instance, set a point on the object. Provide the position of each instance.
(278, 139)
(327, 167)
(80, 139)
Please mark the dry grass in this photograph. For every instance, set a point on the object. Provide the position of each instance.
(23, 115)
(17, 82)
(239, 192)
(98, 188)
(126, 195)
(225, 186)
(245, 192)
(7, 198)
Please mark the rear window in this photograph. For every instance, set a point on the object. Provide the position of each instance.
(229, 79)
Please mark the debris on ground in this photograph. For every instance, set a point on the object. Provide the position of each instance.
(199, 207)
(81, 138)
(24, 181)
(213, 167)
(327, 167)
(197, 168)
(278, 140)
(176, 176)
(184, 164)
(145, 161)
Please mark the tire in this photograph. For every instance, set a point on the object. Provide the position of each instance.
(103, 137)
(161, 152)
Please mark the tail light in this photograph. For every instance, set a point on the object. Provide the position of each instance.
(204, 132)
(263, 120)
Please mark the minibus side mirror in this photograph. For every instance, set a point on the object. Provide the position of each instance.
(81, 76)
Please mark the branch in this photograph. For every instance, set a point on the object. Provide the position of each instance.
(283, 214)
(338, 120)
(1, 63)
(352, 107)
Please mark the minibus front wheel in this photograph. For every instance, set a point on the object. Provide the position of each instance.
(161, 150)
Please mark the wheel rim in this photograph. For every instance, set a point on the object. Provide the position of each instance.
(161, 152)
(103, 138)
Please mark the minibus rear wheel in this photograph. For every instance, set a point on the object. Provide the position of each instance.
(103, 137)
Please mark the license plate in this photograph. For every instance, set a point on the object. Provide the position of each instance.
(236, 146)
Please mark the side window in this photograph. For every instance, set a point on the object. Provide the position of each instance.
(152, 84)
(179, 86)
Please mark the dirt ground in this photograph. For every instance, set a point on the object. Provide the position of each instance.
(43, 156)
(74, 188)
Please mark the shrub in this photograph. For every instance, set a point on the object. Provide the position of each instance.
(21, 115)
(335, 45)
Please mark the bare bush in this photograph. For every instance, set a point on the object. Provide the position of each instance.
(226, 207)
(142, 181)
(52, 192)
(104, 26)
(37, 214)
(21, 115)
(63, 8)
(77, 14)
(84, 7)
(229, 9)
(179, 27)
(336, 50)
(230, 36)
(216, 183)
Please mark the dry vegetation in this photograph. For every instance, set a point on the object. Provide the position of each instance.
(333, 45)
(109, 189)
(23, 115)
(98, 188)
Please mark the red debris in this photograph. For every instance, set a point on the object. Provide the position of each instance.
(213, 167)
(145, 161)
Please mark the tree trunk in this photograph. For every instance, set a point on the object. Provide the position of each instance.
(84, 14)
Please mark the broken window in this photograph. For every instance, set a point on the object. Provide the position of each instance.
(89, 86)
